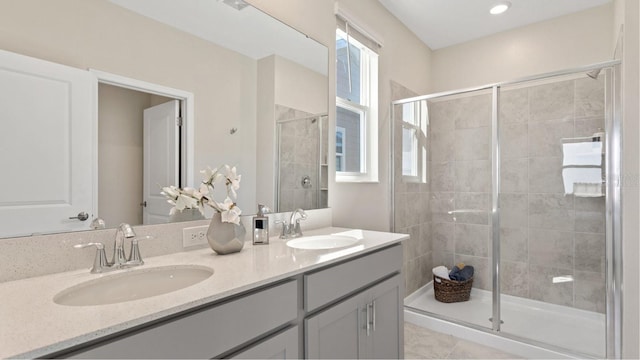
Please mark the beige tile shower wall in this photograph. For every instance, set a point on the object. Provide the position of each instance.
(460, 151)
(412, 212)
(544, 233)
(299, 144)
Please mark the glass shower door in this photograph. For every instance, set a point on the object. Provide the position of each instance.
(458, 193)
(552, 212)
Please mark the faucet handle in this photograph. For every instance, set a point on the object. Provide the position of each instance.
(286, 228)
(100, 261)
(134, 253)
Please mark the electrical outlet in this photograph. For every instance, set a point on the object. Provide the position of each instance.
(193, 236)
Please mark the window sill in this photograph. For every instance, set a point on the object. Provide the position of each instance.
(360, 179)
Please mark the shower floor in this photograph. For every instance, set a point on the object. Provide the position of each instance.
(565, 327)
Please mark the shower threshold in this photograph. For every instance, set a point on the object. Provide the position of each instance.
(546, 330)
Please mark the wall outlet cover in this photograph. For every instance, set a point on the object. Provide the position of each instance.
(196, 235)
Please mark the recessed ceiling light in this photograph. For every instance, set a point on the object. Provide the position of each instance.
(500, 8)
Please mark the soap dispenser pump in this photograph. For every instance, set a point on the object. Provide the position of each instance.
(261, 226)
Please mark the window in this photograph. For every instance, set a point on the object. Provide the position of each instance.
(414, 141)
(356, 110)
(339, 148)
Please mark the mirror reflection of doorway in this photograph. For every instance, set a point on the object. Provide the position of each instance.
(138, 153)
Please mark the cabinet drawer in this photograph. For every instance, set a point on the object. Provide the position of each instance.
(332, 283)
(210, 332)
(283, 345)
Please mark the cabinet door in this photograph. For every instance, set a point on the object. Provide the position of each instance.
(280, 346)
(336, 333)
(386, 320)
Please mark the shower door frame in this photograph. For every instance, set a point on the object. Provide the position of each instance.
(613, 232)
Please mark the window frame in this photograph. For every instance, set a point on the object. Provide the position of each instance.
(419, 127)
(368, 106)
(340, 130)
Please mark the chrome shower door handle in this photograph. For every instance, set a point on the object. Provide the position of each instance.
(82, 216)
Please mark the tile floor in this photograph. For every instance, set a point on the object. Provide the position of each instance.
(421, 343)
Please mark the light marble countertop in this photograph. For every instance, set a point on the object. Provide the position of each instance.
(32, 325)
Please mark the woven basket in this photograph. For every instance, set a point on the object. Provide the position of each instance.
(450, 291)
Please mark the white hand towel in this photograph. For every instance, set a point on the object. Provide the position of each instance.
(582, 153)
(582, 164)
(581, 175)
(441, 271)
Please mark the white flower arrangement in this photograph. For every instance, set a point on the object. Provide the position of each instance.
(190, 198)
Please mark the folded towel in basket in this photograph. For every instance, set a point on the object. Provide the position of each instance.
(441, 271)
(461, 275)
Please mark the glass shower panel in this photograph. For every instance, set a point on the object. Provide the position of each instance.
(552, 212)
(458, 193)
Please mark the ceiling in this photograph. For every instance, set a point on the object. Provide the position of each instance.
(442, 23)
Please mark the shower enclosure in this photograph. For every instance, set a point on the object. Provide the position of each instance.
(517, 179)
(301, 168)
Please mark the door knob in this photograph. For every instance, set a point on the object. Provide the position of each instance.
(82, 216)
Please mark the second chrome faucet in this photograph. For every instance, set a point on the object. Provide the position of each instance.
(289, 229)
(119, 259)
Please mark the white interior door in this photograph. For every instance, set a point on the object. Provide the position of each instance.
(161, 159)
(48, 123)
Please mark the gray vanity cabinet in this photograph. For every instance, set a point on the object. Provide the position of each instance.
(366, 325)
(283, 345)
(352, 309)
(207, 333)
(355, 308)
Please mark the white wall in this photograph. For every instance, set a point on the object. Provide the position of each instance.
(299, 87)
(627, 14)
(561, 43)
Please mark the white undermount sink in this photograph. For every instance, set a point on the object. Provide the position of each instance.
(133, 285)
(322, 242)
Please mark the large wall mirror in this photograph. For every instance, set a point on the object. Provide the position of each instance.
(256, 98)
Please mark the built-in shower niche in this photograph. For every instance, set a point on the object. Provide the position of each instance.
(302, 171)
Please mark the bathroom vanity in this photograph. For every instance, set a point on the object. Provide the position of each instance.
(266, 301)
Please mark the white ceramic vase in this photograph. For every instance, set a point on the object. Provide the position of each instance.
(225, 238)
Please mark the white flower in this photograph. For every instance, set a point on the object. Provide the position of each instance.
(231, 214)
(170, 191)
(204, 189)
(233, 179)
(186, 202)
(210, 175)
(192, 198)
(193, 192)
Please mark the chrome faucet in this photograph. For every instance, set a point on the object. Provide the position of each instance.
(119, 259)
(296, 231)
(124, 231)
(289, 229)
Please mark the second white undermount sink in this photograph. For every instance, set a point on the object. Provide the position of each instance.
(322, 242)
(132, 285)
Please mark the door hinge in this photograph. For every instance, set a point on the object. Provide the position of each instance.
(179, 121)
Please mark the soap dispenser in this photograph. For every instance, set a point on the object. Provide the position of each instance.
(261, 226)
